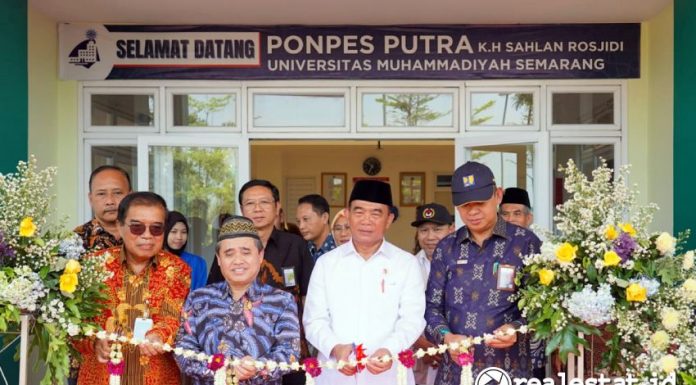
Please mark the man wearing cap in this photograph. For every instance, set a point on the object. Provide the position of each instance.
(365, 292)
(433, 222)
(239, 317)
(472, 280)
(515, 207)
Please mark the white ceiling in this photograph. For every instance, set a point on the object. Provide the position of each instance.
(360, 12)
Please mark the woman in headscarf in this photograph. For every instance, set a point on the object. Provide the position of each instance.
(340, 228)
(176, 237)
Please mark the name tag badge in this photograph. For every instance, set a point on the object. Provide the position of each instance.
(289, 276)
(142, 326)
(461, 261)
(506, 277)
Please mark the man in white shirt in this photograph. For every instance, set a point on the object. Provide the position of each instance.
(433, 222)
(365, 292)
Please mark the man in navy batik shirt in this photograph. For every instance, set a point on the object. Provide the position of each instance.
(471, 286)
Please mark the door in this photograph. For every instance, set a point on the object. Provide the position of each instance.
(197, 176)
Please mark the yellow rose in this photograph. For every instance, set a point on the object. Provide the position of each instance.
(611, 258)
(72, 267)
(670, 319)
(665, 243)
(660, 340)
(689, 287)
(566, 252)
(546, 276)
(628, 229)
(636, 293)
(610, 233)
(68, 282)
(669, 363)
(27, 228)
(688, 260)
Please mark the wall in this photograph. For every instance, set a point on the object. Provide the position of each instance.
(275, 162)
(53, 125)
(684, 117)
(13, 77)
(650, 118)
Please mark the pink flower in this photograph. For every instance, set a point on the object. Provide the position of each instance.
(217, 362)
(465, 359)
(115, 369)
(406, 358)
(312, 367)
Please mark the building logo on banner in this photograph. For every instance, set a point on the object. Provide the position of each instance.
(454, 52)
(86, 53)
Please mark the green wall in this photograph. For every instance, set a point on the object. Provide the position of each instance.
(14, 101)
(684, 116)
(13, 78)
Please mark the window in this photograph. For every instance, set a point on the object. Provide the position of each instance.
(132, 109)
(306, 110)
(592, 107)
(203, 110)
(420, 110)
(497, 108)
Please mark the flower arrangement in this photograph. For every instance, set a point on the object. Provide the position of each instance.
(603, 271)
(42, 271)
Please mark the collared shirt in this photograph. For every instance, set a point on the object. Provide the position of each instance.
(262, 324)
(328, 245)
(463, 296)
(424, 264)
(159, 290)
(94, 237)
(377, 302)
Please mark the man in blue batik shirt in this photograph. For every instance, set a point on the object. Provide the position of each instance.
(471, 286)
(313, 220)
(239, 317)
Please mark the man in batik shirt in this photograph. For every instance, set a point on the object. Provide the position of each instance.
(239, 317)
(472, 280)
(107, 187)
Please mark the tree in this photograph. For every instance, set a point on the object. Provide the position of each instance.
(409, 110)
(202, 108)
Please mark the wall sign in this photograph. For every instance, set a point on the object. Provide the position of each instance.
(569, 51)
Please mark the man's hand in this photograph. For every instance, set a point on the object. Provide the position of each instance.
(377, 366)
(148, 349)
(103, 349)
(450, 338)
(502, 339)
(246, 369)
(423, 343)
(341, 352)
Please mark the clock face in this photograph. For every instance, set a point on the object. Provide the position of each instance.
(372, 166)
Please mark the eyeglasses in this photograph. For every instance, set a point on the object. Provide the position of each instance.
(341, 228)
(264, 204)
(156, 229)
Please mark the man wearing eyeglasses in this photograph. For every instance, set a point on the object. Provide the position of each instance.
(145, 296)
(287, 264)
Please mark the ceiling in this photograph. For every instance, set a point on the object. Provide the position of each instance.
(360, 12)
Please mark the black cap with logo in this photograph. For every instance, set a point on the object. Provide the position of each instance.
(472, 182)
(432, 212)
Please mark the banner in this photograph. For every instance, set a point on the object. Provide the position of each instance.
(570, 51)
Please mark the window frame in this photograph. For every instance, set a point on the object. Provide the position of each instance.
(133, 90)
(177, 90)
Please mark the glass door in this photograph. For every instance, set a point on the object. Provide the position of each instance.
(519, 160)
(198, 177)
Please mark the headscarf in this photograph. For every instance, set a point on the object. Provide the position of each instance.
(172, 219)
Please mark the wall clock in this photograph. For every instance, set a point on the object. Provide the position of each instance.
(372, 166)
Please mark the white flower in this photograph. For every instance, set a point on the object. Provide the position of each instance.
(271, 365)
(669, 363)
(73, 329)
(592, 307)
(284, 366)
(689, 288)
(296, 365)
(178, 351)
(420, 353)
(688, 260)
(665, 244)
(670, 319)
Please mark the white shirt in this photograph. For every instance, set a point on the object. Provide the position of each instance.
(424, 263)
(378, 302)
